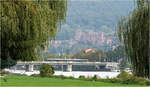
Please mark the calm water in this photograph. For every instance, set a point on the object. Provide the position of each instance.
(75, 74)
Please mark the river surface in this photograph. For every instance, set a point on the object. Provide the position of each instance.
(75, 74)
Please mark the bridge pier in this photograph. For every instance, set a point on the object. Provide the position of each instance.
(30, 67)
(69, 67)
(62, 67)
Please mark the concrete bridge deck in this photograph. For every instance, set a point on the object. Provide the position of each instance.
(69, 64)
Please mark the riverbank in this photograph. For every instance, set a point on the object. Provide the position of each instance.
(74, 74)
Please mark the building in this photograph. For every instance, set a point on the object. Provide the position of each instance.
(89, 50)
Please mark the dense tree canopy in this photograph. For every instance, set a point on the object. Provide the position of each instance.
(91, 15)
(134, 33)
(26, 26)
(116, 54)
(99, 55)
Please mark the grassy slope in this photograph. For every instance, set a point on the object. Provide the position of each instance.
(25, 81)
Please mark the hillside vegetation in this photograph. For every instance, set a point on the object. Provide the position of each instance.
(91, 24)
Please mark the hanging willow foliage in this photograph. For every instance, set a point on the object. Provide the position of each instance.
(26, 26)
(134, 32)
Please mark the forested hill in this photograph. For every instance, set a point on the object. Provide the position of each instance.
(91, 23)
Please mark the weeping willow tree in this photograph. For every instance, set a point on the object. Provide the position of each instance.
(134, 32)
(26, 27)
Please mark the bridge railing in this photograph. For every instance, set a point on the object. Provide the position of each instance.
(64, 62)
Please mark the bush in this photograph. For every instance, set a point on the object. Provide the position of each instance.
(81, 77)
(85, 78)
(138, 80)
(95, 77)
(46, 70)
(62, 77)
(17, 74)
(3, 72)
(35, 75)
(58, 76)
(126, 78)
(124, 75)
(114, 80)
(71, 77)
(148, 83)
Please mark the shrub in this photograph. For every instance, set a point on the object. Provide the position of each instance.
(58, 76)
(35, 75)
(62, 77)
(95, 77)
(124, 75)
(148, 83)
(126, 78)
(81, 77)
(3, 72)
(71, 77)
(46, 70)
(138, 80)
(17, 74)
(85, 78)
(114, 80)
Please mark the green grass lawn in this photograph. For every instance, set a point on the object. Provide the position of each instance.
(26, 81)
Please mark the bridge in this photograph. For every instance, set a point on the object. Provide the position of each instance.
(69, 64)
